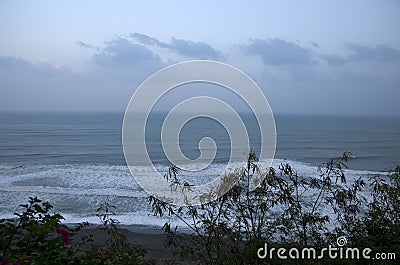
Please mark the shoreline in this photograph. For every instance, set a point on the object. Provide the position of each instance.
(134, 228)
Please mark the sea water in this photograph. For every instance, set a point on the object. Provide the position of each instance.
(76, 161)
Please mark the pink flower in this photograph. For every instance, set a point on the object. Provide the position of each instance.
(65, 236)
(106, 254)
(3, 261)
(16, 263)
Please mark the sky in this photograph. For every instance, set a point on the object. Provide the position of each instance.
(314, 57)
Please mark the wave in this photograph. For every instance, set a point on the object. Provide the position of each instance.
(76, 190)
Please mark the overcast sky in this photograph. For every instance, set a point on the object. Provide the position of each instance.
(335, 57)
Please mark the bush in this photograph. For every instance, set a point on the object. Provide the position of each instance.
(285, 210)
(37, 236)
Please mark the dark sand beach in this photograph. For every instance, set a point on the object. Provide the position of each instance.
(151, 238)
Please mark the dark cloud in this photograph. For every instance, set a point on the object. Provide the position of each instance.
(84, 45)
(278, 51)
(363, 53)
(196, 50)
(122, 52)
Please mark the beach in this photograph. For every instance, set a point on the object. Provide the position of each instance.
(151, 238)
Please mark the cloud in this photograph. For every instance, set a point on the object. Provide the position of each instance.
(195, 50)
(43, 86)
(37, 86)
(315, 44)
(379, 52)
(147, 40)
(198, 50)
(121, 52)
(277, 51)
(19, 66)
(360, 52)
(335, 59)
(9, 62)
(285, 69)
(84, 45)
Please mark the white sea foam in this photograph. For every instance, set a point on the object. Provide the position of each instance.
(76, 190)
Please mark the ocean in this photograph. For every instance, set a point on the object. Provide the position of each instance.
(76, 161)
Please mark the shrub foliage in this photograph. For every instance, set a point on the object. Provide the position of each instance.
(36, 236)
(287, 209)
